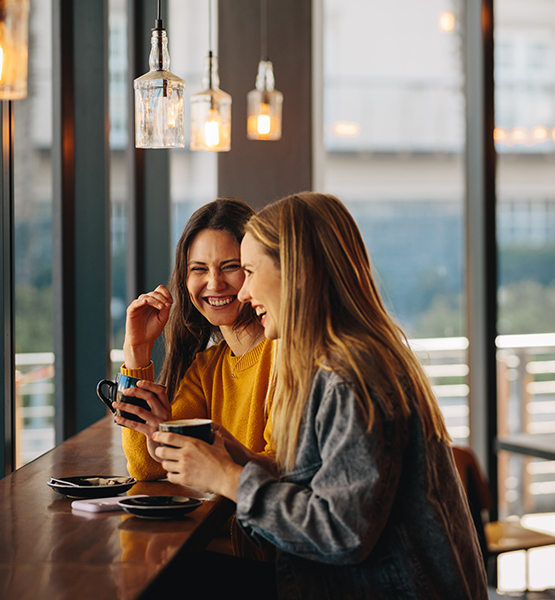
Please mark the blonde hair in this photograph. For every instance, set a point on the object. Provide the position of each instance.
(332, 316)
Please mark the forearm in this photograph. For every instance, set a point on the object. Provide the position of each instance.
(230, 483)
(137, 356)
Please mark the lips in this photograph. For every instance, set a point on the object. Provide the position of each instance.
(260, 313)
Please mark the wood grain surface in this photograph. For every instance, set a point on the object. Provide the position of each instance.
(50, 551)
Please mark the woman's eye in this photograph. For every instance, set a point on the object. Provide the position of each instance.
(231, 267)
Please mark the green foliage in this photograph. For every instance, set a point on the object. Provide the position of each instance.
(33, 319)
(526, 307)
(444, 318)
(521, 263)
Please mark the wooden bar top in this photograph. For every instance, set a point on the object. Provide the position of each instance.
(50, 551)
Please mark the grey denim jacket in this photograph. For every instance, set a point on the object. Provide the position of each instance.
(378, 515)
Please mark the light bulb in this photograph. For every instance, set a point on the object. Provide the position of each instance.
(212, 130)
(264, 122)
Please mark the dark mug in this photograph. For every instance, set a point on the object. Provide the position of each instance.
(197, 428)
(115, 394)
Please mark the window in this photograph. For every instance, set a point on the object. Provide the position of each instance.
(394, 141)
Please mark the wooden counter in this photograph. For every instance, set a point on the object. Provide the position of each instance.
(49, 551)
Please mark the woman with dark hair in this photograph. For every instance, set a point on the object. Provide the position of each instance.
(217, 363)
(363, 499)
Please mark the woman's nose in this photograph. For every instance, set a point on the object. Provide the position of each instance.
(243, 295)
(215, 281)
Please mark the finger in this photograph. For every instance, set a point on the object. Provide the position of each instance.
(163, 291)
(154, 395)
(157, 389)
(171, 439)
(134, 425)
(154, 300)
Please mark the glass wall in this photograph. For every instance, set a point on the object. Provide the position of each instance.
(33, 245)
(119, 90)
(525, 143)
(394, 139)
(194, 178)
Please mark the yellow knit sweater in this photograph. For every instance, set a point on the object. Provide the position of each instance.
(208, 390)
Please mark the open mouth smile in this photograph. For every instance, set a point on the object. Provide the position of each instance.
(219, 301)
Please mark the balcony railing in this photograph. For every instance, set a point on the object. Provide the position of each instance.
(526, 402)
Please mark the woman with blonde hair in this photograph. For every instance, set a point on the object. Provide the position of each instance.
(363, 499)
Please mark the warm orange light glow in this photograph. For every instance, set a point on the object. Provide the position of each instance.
(446, 21)
(1, 61)
(264, 122)
(212, 130)
(499, 135)
(540, 133)
(346, 129)
(519, 135)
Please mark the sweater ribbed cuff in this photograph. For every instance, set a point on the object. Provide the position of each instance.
(141, 373)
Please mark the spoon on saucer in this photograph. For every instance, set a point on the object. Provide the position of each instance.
(64, 482)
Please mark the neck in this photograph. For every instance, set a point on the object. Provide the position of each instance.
(239, 341)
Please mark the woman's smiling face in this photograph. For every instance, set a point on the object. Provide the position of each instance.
(214, 276)
(262, 286)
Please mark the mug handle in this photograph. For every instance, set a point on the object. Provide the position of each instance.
(101, 395)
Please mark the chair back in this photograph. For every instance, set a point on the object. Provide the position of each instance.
(477, 491)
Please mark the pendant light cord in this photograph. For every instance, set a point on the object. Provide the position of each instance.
(264, 30)
(210, 26)
(158, 23)
(210, 54)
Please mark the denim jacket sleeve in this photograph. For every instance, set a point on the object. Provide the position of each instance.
(334, 504)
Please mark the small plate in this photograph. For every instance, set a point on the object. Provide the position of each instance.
(93, 486)
(160, 507)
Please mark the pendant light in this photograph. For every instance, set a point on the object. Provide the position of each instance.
(264, 103)
(159, 98)
(14, 48)
(211, 108)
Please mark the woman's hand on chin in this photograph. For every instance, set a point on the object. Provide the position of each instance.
(194, 463)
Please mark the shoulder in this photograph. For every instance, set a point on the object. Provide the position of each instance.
(329, 395)
(327, 382)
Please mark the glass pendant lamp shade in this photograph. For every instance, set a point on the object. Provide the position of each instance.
(264, 105)
(159, 100)
(211, 113)
(14, 48)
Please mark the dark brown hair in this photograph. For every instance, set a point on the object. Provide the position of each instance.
(188, 331)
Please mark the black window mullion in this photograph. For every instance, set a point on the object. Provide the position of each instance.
(7, 290)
